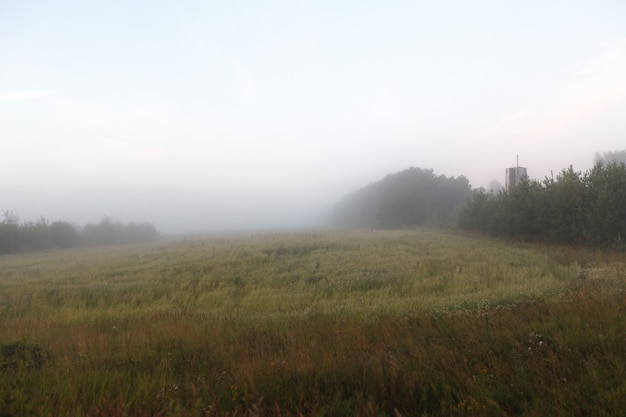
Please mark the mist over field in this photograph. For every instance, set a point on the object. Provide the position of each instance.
(176, 211)
(225, 115)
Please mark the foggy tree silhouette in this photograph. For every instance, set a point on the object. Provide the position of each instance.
(413, 197)
(18, 237)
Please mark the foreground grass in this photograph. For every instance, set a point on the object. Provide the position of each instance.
(417, 322)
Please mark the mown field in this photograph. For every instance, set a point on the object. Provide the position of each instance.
(411, 323)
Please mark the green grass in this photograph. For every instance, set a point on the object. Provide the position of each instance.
(419, 322)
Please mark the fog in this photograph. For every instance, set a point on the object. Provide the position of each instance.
(237, 115)
(180, 211)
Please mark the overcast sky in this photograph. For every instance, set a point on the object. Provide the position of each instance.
(200, 115)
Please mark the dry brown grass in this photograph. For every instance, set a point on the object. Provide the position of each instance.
(411, 323)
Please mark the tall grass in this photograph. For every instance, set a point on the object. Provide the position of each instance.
(371, 323)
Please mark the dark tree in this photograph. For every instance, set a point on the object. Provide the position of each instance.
(605, 211)
(63, 235)
(566, 202)
(9, 233)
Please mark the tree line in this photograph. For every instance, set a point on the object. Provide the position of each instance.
(413, 197)
(574, 208)
(16, 236)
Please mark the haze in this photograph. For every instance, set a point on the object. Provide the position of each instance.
(216, 115)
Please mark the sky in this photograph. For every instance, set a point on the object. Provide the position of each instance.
(218, 115)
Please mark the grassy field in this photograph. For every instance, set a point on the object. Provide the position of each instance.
(411, 323)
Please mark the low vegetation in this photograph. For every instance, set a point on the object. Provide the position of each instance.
(389, 323)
